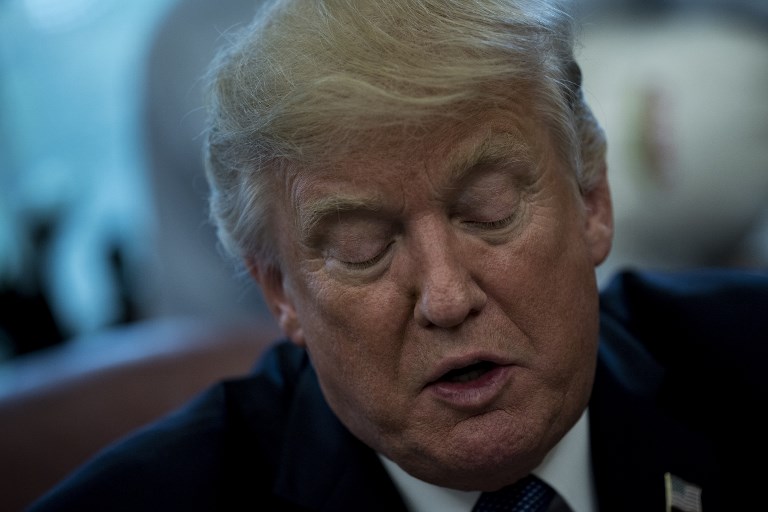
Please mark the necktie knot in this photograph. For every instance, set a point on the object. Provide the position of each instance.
(529, 494)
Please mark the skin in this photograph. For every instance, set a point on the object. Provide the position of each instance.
(399, 265)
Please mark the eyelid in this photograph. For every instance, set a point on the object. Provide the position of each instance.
(364, 265)
(491, 225)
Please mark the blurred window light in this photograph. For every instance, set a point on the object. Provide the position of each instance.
(74, 199)
(62, 15)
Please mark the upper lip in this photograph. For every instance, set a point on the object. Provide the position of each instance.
(456, 362)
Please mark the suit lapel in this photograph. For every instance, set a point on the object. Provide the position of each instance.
(635, 436)
(325, 467)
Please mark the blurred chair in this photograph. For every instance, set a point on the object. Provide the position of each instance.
(59, 406)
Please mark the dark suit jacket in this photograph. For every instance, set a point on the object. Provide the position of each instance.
(680, 388)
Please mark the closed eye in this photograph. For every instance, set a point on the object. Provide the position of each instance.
(363, 265)
(491, 225)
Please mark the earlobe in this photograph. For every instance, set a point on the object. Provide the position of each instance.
(599, 219)
(277, 297)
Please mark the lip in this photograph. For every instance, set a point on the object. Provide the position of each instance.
(474, 394)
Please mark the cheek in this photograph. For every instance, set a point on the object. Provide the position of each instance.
(332, 311)
(353, 336)
(550, 292)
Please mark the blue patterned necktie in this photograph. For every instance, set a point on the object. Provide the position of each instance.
(527, 495)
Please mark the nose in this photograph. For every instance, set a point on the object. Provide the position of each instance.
(448, 293)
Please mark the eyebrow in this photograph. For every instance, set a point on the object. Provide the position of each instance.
(494, 147)
(314, 212)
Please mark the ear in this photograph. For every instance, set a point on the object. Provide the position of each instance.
(278, 298)
(599, 218)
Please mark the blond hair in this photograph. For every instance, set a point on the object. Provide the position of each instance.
(310, 80)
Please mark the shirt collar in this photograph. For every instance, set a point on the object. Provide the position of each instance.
(567, 468)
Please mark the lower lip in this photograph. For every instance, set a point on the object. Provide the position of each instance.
(475, 393)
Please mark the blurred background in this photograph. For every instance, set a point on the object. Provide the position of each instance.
(102, 195)
(115, 303)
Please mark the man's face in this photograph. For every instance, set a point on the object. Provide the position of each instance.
(446, 295)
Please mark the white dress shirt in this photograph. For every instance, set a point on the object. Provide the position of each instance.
(567, 468)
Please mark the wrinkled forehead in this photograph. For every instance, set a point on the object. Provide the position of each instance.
(445, 158)
(442, 141)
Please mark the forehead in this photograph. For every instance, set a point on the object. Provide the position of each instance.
(443, 159)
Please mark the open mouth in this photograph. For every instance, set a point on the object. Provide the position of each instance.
(468, 373)
(473, 386)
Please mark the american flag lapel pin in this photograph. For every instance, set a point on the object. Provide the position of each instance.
(681, 496)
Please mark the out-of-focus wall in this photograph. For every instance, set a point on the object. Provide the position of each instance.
(683, 97)
(187, 273)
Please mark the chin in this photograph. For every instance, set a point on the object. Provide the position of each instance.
(476, 457)
(475, 473)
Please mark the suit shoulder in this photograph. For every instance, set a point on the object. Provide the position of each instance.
(708, 309)
(700, 333)
(189, 459)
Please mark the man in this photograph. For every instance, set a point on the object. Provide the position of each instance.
(419, 188)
